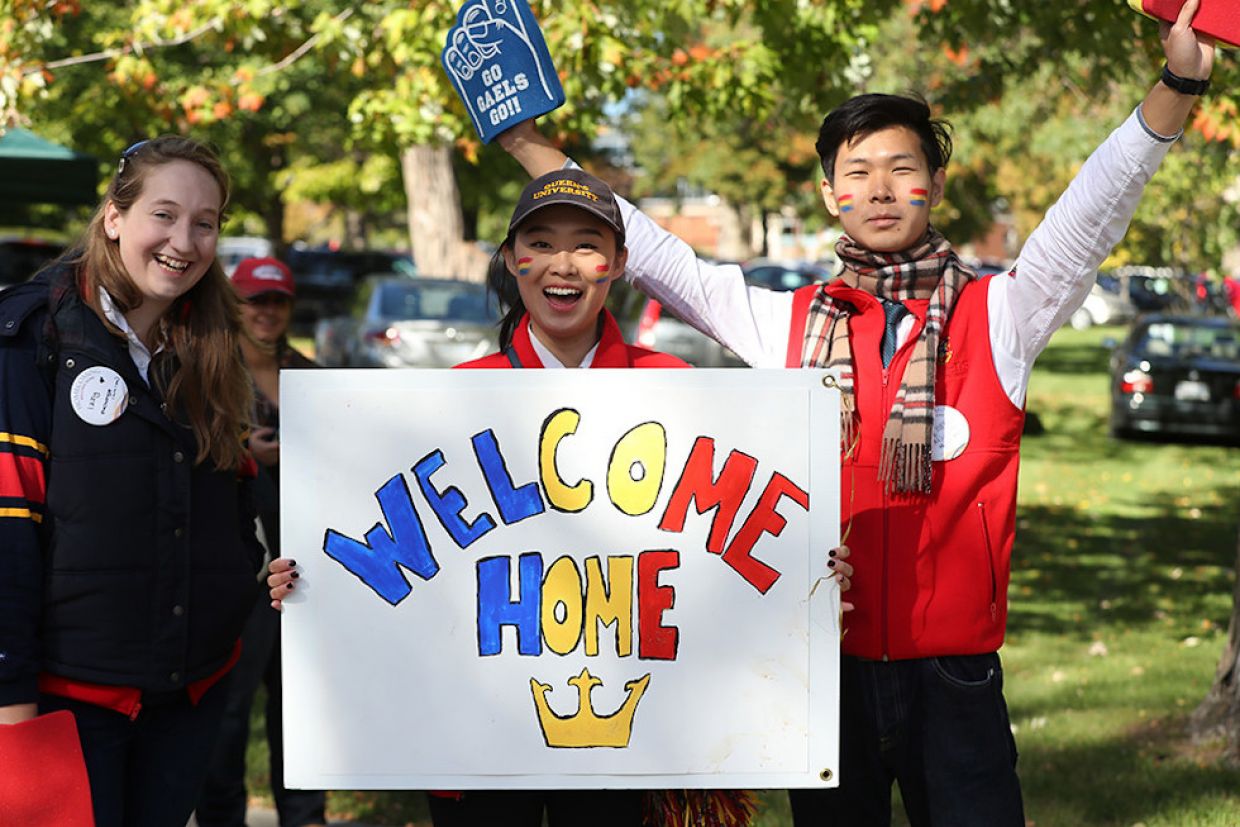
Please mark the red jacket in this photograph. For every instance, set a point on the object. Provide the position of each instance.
(612, 351)
(931, 573)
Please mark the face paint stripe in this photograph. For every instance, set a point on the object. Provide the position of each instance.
(918, 197)
(845, 202)
(523, 266)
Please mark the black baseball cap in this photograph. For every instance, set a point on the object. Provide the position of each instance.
(571, 186)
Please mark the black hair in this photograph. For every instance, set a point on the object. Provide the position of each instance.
(504, 287)
(864, 115)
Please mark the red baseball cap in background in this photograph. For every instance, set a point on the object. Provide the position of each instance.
(262, 275)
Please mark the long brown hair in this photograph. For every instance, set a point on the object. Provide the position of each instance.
(209, 387)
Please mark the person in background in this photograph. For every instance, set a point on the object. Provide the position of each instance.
(128, 552)
(265, 287)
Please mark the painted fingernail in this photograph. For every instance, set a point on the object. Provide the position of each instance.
(831, 563)
(290, 586)
(296, 574)
(292, 563)
(832, 553)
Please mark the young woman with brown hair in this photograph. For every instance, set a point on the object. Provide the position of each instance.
(127, 548)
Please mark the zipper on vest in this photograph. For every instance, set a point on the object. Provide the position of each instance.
(990, 562)
(886, 570)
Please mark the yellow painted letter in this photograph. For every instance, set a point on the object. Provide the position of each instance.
(610, 603)
(562, 586)
(561, 495)
(635, 473)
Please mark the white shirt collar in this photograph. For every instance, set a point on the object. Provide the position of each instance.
(548, 358)
(138, 351)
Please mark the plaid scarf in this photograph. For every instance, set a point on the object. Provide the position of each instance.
(928, 270)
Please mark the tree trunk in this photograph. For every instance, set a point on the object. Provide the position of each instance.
(436, 227)
(1218, 716)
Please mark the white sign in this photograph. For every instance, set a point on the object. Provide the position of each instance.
(560, 578)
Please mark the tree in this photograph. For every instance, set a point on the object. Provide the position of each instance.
(230, 53)
(1033, 88)
(1217, 716)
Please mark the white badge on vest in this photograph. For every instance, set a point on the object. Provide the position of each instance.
(99, 395)
(950, 434)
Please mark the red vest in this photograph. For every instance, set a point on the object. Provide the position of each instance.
(612, 351)
(931, 572)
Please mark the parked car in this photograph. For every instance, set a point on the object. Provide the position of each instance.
(775, 275)
(1102, 306)
(1177, 374)
(647, 323)
(21, 258)
(232, 250)
(327, 280)
(403, 322)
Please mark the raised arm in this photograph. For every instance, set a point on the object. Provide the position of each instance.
(1059, 262)
(531, 149)
(1189, 56)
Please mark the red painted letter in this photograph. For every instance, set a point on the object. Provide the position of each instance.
(655, 641)
(724, 494)
(763, 519)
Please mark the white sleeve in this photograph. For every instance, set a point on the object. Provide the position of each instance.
(751, 321)
(1059, 263)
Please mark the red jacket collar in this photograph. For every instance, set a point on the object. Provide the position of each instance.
(863, 300)
(611, 351)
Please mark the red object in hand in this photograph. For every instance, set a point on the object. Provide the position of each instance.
(1219, 19)
(44, 777)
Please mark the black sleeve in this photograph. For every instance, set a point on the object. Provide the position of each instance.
(25, 434)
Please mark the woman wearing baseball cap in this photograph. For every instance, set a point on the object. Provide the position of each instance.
(265, 288)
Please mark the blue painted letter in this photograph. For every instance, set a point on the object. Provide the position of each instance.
(449, 503)
(376, 561)
(495, 610)
(515, 504)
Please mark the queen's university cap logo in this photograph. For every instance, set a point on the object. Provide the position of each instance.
(565, 186)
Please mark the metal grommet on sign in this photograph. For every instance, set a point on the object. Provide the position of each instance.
(828, 381)
(826, 775)
(69, 363)
(8, 325)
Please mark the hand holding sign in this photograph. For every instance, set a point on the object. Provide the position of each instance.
(1216, 18)
(499, 65)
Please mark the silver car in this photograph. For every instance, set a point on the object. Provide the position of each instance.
(403, 322)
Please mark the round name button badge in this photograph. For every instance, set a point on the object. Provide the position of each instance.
(950, 434)
(99, 395)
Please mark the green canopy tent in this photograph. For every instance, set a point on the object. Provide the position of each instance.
(36, 171)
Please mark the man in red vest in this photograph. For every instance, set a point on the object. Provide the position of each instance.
(933, 364)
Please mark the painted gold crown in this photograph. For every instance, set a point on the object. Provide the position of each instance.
(586, 729)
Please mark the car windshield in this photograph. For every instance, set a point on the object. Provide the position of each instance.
(442, 301)
(1183, 340)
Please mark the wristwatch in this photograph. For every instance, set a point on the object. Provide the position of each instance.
(1185, 86)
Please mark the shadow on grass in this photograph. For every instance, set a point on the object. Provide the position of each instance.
(1074, 569)
(1075, 358)
(1135, 778)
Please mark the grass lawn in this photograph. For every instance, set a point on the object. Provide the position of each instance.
(1120, 598)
